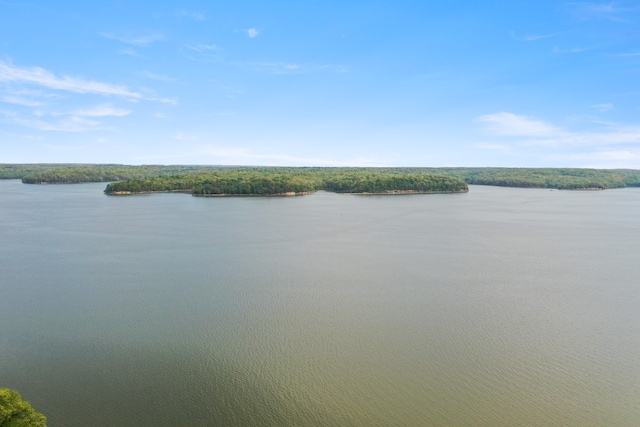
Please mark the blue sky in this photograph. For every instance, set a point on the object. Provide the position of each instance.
(325, 83)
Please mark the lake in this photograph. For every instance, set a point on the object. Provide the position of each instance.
(499, 307)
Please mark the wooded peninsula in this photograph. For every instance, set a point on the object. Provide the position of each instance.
(265, 181)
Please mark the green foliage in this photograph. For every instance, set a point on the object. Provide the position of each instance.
(559, 178)
(72, 174)
(255, 183)
(247, 180)
(15, 412)
(276, 181)
(372, 182)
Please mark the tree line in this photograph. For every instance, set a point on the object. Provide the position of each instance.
(558, 178)
(272, 181)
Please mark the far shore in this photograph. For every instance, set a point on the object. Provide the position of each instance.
(287, 194)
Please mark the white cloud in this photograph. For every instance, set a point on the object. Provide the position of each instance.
(159, 77)
(42, 77)
(63, 147)
(101, 111)
(572, 50)
(612, 159)
(589, 11)
(495, 147)
(129, 52)
(142, 40)
(168, 101)
(186, 137)
(534, 37)
(21, 101)
(603, 107)
(537, 132)
(70, 124)
(75, 121)
(628, 54)
(509, 124)
(202, 47)
(291, 67)
(252, 32)
(244, 156)
(198, 16)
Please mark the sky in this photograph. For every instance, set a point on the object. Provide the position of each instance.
(321, 83)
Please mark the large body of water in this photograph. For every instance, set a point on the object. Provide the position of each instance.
(499, 307)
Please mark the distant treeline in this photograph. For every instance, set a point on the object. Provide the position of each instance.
(208, 179)
(559, 178)
(273, 181)
(80, 173)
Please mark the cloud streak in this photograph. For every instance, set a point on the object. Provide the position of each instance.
(509, 124)
(593, 11)
(21, 101)
(142, 40)
(245, 156)
(198, 16)
(537, 132)
(101, 111)
(534, 37)
(41, 77)
(202, 47)
(69, 124)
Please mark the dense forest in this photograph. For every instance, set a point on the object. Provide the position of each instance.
(559, 178)
(79, 173)
(211, 180)
(277, 181)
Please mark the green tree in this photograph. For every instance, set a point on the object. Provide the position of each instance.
(15, 412)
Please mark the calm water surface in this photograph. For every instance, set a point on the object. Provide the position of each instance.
(500, 307)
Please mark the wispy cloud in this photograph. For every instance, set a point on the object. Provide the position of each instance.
(532, 131)
(608, 11)
(168, 101)
(159, 77)
(63, 147)
(101, 111)
(606, 159)
(202, 47)
(533, 37)
(244, 156)
(140, 40)
(494, 147)
(509, 124)
(198, 16)
(628, 54)
(41, 77)
(186, 137)
(603, 107)
(252, 32)
(572, 50)
(291, 67)
(129, 52)
(276, 67)
(68, 124)
(21, 101)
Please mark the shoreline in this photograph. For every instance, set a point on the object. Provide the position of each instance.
(402, 192)
(288, 194)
